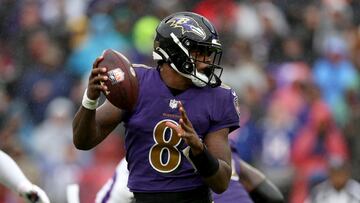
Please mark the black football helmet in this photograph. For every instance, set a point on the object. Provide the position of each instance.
(183, 33)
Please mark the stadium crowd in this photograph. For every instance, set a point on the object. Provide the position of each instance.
(294, 64)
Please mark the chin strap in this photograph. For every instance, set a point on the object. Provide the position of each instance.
(200, 80)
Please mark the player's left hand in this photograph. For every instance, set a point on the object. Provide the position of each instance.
(186, 131)
(33, 194)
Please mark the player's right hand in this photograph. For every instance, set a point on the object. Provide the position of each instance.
(96, 80)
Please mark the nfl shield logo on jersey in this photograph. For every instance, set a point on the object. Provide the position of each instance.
(173, 103)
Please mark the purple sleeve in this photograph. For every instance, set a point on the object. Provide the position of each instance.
(225, 113)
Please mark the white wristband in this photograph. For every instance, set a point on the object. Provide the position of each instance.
(89, 103)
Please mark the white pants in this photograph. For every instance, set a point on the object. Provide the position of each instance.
(115, 189)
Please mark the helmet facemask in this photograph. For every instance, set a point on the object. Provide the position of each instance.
(206, 54)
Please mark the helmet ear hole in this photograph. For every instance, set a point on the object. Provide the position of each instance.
(188, 67)
(187, 43)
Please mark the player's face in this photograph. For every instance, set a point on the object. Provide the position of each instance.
(202, 60)
(206, 60)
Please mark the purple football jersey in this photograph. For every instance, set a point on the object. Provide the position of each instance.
(154, 153)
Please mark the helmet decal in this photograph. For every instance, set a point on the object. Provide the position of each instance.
(187, 24)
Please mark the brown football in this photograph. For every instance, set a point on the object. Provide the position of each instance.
(122, 83)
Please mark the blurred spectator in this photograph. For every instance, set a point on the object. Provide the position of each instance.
(315, 142)
(7, 64)
(105, 159)
(55, 12)
(52, 145)
(307, 30)
(102, 35)
(12, 121)
(335, 75)
(247, 138)
(290, 50)
(249, 81)
(278, 127)
(27, 21)
(336, 17)
(78, 32)
(247, 23)
(339, 187)
(143, 38)
(222, 15)
(275, 28)
(355, 6)
(355, 48)
(45, 79)
(124, 21)
(53, 137)
(276, 131)
(285, 104)
(351, 131)
(245, 75)
(7, 17)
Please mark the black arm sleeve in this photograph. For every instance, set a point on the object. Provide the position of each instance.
(206, 164)
(266, 192)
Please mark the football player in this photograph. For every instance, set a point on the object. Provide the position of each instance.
(177, 135)
(248, 184)
(13, 178)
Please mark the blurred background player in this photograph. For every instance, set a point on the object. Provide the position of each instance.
(183, 153)
(247, 185)
(13, 178)
(115, 189)
(339, 187)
